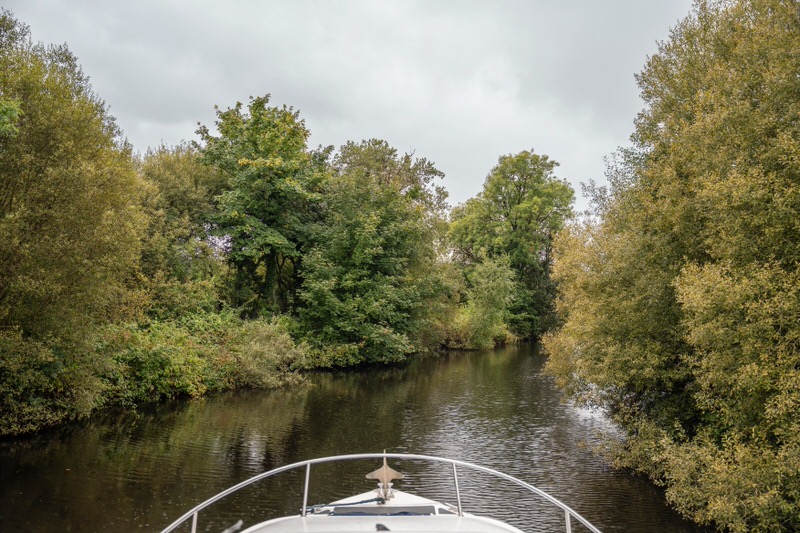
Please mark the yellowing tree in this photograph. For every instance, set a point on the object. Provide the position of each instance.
(682, 303)
(69, 226)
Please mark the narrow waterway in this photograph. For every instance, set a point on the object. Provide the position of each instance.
(139, 472)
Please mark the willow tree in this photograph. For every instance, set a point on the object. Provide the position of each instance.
(70, 226)
(682, 303)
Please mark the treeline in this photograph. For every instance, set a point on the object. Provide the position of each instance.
(240, 260)
(681, 295)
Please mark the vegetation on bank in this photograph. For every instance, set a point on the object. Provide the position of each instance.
(237, 261)
(248, 257)
(681, 296)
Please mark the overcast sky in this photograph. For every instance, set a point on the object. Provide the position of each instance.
(458, 82)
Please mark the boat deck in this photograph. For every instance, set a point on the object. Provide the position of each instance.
(401, 512)
(417, 524)
(383, 509)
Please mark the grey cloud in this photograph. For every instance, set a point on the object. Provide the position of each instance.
(460, 82)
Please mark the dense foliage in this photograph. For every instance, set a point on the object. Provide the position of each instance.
(681, 297)
(238, 261)
(520, 209)
(70, 217)
(482, 321)
(371, 277)
(233, 262)
(69, 194)
(181, 268)
(265, 212)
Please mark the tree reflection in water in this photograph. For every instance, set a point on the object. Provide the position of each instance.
(142, 470)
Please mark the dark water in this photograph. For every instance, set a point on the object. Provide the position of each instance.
(140, 472)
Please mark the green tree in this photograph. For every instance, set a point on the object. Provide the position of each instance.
(70, 225)
(272, 186)
(482, 318)
(521, 207)
(370, 281)
(68, 193)
(681, 302)
(180, 259)
(9, 116)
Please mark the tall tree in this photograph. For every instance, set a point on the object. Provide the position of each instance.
(68, 193)
(265, 212)
(521, 207)
(370, 282)
(71, 224)
(681, 303)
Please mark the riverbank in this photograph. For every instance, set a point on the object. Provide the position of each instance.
(128, 365)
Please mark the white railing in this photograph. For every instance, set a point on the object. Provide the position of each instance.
(569, 514)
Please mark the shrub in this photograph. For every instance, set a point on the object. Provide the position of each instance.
(43, 383)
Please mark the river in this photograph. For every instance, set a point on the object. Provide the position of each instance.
(139, 471)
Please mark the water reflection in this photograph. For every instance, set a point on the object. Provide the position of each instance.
(497, 409)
